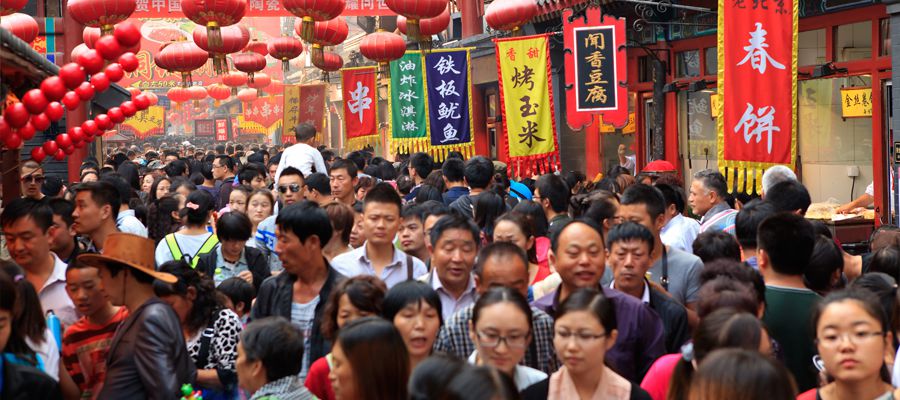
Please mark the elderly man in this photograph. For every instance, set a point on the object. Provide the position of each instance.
(707, 199)
(268, 362)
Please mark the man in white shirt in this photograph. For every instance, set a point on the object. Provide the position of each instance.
(125, 220)
(453, 244)
(679, 231)
(302, 155)
(28, 227)
(378, 256)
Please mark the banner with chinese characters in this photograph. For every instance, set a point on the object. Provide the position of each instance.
(757, 61)
(449, 97)
(526, 104)
(597, 61)
(260, 8)
(406, 104)
(149, 122)
(221, 129)
(360, 106)
(312, 108)
(291, 113)
(263, 115)
(856, 102)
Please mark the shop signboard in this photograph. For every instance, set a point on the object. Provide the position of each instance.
(221, 129)
(449, 96)
(204, 127)
(856, 102)
(360, 106)
(260, 8)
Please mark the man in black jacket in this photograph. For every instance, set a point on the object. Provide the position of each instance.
(147, 358)
(301, 291)
(628, 249)
(232, 257)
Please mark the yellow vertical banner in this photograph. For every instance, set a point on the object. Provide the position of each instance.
(526, 103)
(291, 113)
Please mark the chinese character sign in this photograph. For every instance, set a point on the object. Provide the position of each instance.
(291, 113)
(598, 66)
(856, 102)
(409, 126)
(758, 88)
(263, 115)
(221, 130)
(147, 122)
(260, 8)
(360, 105)
(312, 108)
(526, 103)
(447, 79)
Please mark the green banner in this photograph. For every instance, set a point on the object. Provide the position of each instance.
(409, 121)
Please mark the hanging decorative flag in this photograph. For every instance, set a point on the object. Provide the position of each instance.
(221, 129)
(291, 113)
(312, 108)
(598, 60)
(406, 104)
(263, 115)
(149, 122)
(360, 106)
(757, 62)
(448, 79)
(526, 103)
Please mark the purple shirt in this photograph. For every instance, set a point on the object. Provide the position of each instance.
(640, 341)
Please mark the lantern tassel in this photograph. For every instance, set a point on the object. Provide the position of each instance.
(306, 29)
(215, 34)
(285, 66)
(250, 77)
(412, 29)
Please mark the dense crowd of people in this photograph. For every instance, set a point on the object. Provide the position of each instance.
(260, 272)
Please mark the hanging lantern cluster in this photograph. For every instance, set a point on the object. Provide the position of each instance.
(510, 15)
(103, 14)
(66, 91)
(415, 11)
(214, 15)
(312, 11)
(233, 39)
(383, 47)
(22, 26)
(92, 35)
(285, 48)
(427, 27)
(328, 33)
(181, 57)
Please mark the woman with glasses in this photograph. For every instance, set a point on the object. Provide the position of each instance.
(415, 309)
(584, 330)
(853, 338)
(501, 331)
(259, 207)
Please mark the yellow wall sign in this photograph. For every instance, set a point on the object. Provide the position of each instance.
(609, 128)
(715, 105)
(856, 102)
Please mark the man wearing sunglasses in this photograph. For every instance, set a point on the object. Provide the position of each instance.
(289, 190)
(32, 177)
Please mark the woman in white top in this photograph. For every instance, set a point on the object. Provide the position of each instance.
(500, 328)
(195, 238)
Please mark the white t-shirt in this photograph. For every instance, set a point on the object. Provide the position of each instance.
(189, 245)
(303, 157)
(48, 352)
(303, 315)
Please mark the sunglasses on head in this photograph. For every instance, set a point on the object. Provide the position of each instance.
(294, 188)
(33, 179)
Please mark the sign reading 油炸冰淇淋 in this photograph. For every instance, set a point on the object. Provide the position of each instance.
(409, 123)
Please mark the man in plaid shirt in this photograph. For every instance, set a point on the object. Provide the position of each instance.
(501, 264)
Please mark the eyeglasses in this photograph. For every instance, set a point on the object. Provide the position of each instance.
(33, 179)
(582, 338)
(493, 340)
(294, 188)
(835, 339)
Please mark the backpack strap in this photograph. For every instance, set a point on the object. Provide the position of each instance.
(174, 248)
(206, 338)
(409, 267)
(209, 245)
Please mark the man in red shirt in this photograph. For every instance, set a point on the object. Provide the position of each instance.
(86, 343)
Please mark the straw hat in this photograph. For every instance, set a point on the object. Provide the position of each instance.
(132, 250)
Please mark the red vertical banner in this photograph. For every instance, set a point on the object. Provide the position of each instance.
(312, 108)
(221, 130)
(360, 97)
(757, 54)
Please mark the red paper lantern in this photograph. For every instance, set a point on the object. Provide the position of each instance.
(260, 81)
(327, 33)
(115, 115)
(197, 93)
(234, 79)
(509, 15)
(91, 60)
(114, 72)
(128, 108)
(285, 48)
(277, 87)
(53, 87)
(101, 14)
(257, 47)
(50, 147)
(330, 62)
(23, 26)
(214, 14)
(178, 95)
(90, 36)
(428, 27)
(13, 141)
(313, 10)
(182, 57)
(16, 115)
(11, 6)
(35, 101)
(54, 111)
(72, 75)
(416, 10)
(233, 39)
(218, 92)
(382, 47)
(249, 62)
(78, 51)
(129, 62)
(247, 95)
(38, 154)
(85, 91)
(40, 122)
(63, 140)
